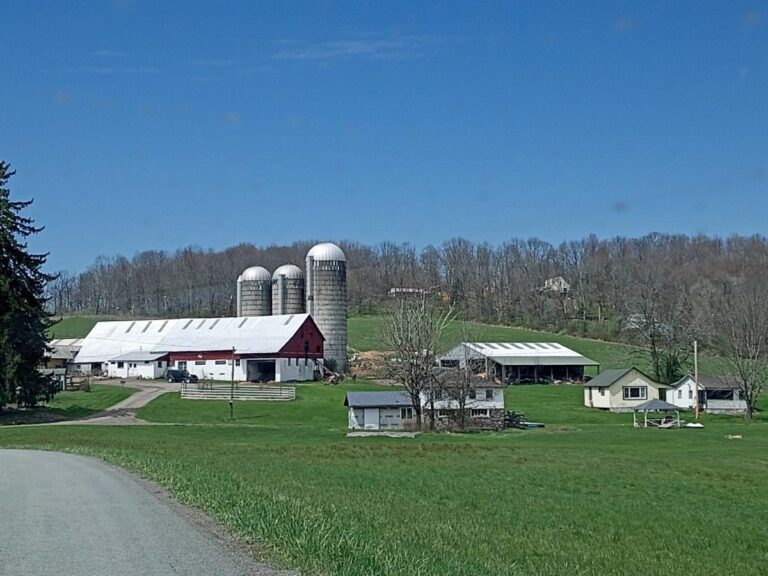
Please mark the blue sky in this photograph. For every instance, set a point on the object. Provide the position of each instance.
(154, 125)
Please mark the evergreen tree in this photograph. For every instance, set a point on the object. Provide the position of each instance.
(23, 319)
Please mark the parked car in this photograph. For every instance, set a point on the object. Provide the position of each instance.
(180, 376)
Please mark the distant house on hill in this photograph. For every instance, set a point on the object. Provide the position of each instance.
(520, 362)
(622, 390)
(717, 394)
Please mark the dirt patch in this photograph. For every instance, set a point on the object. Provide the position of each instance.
(368, 364)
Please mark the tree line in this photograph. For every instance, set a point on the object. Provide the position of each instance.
(659, 290)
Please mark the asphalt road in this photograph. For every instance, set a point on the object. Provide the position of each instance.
(67, 515)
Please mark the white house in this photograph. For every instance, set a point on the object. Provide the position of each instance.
(717, 394)
(483, 405)
(621, 390)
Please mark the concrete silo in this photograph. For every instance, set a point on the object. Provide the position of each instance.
(288, 290)
(254, 292)
(327, 300)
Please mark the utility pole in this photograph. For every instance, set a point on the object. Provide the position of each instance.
(232, 387)
(696, 378)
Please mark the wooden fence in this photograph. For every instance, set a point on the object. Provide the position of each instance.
(207, 391)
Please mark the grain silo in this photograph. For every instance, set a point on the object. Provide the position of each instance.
(288, 290)
(327, 300)
(254, 292)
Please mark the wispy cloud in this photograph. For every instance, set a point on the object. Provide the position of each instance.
(108, 54)
(109, 70)
(371, 46)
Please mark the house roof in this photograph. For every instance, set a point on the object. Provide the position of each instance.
(377, 399)
(247, 335)
(522, 353)
(656, 405)
(712, 382)
(608, 377)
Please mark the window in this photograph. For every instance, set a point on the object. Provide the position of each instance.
(679, 394)
(479, 412)
(602, 391)
(119, 364)
(182, 365)
(159, 363)
(635, 392)
(406, 413)
(690, 394)
(438, 394)
(199, 362)
(472, 394)
(237, 362)
(489, 394)
(443, 413)
(220, 362)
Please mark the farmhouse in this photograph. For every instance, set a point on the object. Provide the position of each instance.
(621, 390)
(483, 406)
(717, 394)
(520, 362)
(263, 348)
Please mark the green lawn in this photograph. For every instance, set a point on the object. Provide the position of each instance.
(75, 326)
(586, 495)
(70, 405)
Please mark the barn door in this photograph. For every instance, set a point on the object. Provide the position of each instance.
(371, 418)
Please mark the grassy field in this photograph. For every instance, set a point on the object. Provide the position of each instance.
(75, 326)
(586, 495)
(69, 405)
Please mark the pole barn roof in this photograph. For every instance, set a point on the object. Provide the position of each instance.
(520, 354)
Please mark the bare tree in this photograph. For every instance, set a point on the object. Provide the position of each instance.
(411, 332)
(742, 328)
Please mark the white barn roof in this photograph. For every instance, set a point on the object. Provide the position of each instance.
(248, 335)
(520, 353)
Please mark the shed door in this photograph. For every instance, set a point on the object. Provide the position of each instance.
(371, 418)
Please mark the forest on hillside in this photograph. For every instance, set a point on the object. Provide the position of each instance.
(659, 289)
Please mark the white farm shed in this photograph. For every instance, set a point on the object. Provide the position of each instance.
(263, 348)
(520, 362)
(379, 410)
(138, 365)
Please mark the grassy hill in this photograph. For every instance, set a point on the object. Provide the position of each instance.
(586, 495)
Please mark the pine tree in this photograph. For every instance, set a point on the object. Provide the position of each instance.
(23, 319)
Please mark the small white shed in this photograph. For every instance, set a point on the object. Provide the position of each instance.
(379, 410)
(149, 365)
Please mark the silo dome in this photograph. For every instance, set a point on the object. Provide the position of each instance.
(290, 272)
(255, 273)
(327, 252)
(254, 292)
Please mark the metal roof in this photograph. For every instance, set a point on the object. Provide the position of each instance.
(656, 405)
(608, 377)
(248, 335)
(289, 271)
(522, 353)
(377, 399)
(139, 356)
(327, 251)
(712, 382)
(254, 273)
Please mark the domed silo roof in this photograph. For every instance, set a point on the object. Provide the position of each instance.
(290, 272)
(255, 274)
(327, 252)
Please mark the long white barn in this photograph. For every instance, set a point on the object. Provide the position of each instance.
(263, 348)
(520, 362)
